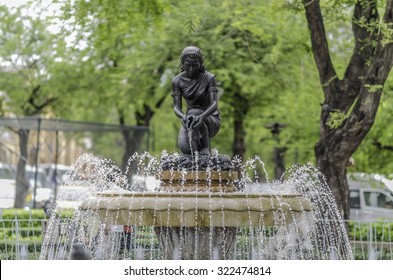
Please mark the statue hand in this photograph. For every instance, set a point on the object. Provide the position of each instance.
(189, 122)
(196, 122)
(184, 121)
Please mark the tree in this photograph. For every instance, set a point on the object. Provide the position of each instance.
(133, 58)
(351, 102)
(28, 52)
(121, 56)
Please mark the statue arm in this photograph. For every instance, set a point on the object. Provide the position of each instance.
(177, 106)
(177, 100)
(212, 88)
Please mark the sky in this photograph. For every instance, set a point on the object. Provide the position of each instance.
(12, 3)
(15, 3)
(46, 4)
(42, 8)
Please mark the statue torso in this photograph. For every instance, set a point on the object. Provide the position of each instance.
(194, 91)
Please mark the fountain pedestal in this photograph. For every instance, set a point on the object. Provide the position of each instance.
(196, 243)
(198, 181)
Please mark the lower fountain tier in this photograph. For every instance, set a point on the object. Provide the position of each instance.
(192, 209)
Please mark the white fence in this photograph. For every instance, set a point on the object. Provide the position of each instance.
(371, 240)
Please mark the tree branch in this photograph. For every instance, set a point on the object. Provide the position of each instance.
(121, 116)
(37, 108)
(160, 102)
(46, 103)
(365, 16)
(320, 48)
(388, 16)
(388, 19)
(122, 122)
(380, 146)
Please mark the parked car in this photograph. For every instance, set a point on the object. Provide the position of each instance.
(55, 173)
(44, 192)
(7, 186)
(370, 197)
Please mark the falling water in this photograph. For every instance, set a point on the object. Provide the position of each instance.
(224, 213)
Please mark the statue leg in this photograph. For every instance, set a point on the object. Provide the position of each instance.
(195, 134)
(186, 145)
(205, 140)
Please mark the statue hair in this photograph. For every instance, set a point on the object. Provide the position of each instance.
(192, 52)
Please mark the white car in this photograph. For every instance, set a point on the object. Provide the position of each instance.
(7, 186)
(370, 198)
(37, 180)
(55, 173)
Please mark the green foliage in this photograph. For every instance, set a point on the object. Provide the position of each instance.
(373, 88)
(9, 252)
(364, 235)
(113, 62)
(21, 214)
(378, 231)
(336, 119)
(8, 216)
(66, 214)
(28, 55)
(124, 54)
(116, 67)
(22, 227)
(25, 228)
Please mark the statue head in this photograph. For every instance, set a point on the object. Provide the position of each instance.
(194, 53)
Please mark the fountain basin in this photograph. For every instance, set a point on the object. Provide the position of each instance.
(218, 214)
(196, 209)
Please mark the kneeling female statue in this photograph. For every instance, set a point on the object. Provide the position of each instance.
(201, 120)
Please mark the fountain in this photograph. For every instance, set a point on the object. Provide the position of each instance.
(204, 205)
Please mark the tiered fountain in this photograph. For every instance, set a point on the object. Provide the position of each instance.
(206, 206)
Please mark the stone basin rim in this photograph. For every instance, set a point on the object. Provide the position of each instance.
(196, 208)
(199, 194)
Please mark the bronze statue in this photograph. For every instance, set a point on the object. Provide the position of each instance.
(201, 120)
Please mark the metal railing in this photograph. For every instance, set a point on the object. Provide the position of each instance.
(371, 240)
(21, 239)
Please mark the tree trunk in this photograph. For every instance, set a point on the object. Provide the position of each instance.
(334, 171)
(239, 114)
(278, 159)
(133, 140)
(355, 97)
(133, 143)
(22, 184)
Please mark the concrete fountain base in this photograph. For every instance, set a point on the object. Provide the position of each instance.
(196, 214)
(200, 215)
